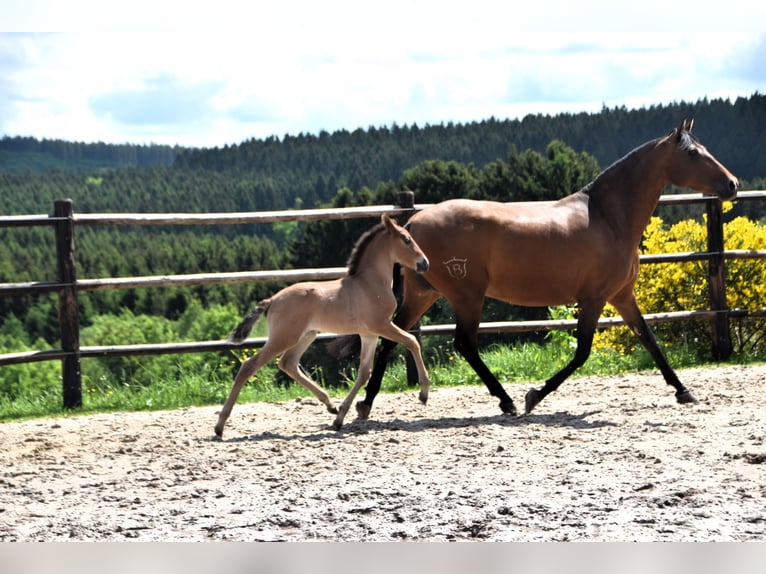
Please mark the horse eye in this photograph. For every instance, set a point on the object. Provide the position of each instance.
(694, 153)
(407, 239)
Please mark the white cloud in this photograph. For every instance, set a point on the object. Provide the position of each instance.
(338, 70)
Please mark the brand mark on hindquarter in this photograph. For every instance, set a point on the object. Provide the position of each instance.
(457, 267)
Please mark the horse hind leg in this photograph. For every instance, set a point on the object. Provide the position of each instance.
(248, 368)
(289, 364)
(586, 329)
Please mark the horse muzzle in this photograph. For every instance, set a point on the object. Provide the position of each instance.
(731, 190)
(422, 265)
(726, 190)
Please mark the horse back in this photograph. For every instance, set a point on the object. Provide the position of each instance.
(537, 253)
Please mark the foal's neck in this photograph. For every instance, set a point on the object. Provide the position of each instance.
(376, 263)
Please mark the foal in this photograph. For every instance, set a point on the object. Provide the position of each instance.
(362, 302)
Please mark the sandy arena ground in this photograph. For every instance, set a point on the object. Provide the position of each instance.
(602, 459)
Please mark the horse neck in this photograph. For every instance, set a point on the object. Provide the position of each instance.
(377, 261)
(627, 193)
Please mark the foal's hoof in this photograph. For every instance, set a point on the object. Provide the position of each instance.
(423, 399)
(219, 431)
(685, 397)
(332, 410)
(337, 425)
(532, 399)
(363, 410)
(508, 407)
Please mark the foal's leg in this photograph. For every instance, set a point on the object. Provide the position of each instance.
(289, 363)
(630, 312)
(246, 370)
(362, 375)
(399, 335)
(586, 328)
(416, 300)
(468, 317)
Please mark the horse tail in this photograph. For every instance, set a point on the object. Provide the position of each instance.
(242, 330)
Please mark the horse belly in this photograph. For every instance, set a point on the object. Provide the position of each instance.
(537, 286)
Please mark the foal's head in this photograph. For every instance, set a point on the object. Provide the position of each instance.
(692, 165)
(403, 247)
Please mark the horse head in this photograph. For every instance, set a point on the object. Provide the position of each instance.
(405, 249)
(691, 165)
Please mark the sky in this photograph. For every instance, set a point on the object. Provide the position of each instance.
(210, 74)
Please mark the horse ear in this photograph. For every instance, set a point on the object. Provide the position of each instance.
(386, 221)
(689, 125)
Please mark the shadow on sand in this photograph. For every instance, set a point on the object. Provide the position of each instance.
(359, 427)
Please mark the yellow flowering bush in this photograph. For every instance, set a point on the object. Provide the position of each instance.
(684, 286)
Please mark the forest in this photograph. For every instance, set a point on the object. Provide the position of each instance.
(534, 158)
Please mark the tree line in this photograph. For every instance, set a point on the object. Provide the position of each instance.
(536, 158)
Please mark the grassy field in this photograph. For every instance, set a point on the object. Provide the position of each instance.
(209, 385)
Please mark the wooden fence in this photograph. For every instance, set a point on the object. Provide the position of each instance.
(64, 221)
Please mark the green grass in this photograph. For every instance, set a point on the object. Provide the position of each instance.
(210, 384)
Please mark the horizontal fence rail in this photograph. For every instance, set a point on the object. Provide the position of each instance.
(64, 221)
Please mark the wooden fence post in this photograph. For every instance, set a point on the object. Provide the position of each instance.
(69, 318)
(721, 337)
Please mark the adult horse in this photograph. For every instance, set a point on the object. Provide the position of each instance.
(581, 249)
(362, 302)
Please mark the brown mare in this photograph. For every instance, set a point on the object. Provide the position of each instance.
(362, 302)
(581, 249)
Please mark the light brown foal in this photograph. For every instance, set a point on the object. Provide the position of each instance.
(362, 302)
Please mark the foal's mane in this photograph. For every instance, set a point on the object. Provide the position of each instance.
(361, 246)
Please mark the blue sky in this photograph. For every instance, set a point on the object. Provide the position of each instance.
(224, 72)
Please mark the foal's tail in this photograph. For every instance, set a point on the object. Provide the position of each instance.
(242, 330)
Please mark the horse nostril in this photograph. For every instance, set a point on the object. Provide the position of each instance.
(422, 266)
(733, 185)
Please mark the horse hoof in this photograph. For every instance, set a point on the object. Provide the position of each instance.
(423, 399)
(508, 407)
(686, 397)
(363, 410)
(337, 425)
(532, 399)
(219, 431)
(332, 410)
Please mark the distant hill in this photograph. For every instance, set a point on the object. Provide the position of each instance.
(733, 131)
(25, 154)
(308, 170)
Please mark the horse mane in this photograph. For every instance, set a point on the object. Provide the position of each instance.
(361, 246)
(686, 141)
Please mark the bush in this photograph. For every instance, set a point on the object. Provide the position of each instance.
(684, 287)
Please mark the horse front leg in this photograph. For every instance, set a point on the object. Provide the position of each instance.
(586, 329)
(362, 376)
(399, 335)
(364, 406)
(467, 344)
(630, 312)
(416, 300)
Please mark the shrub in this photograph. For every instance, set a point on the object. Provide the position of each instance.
(684, 287)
